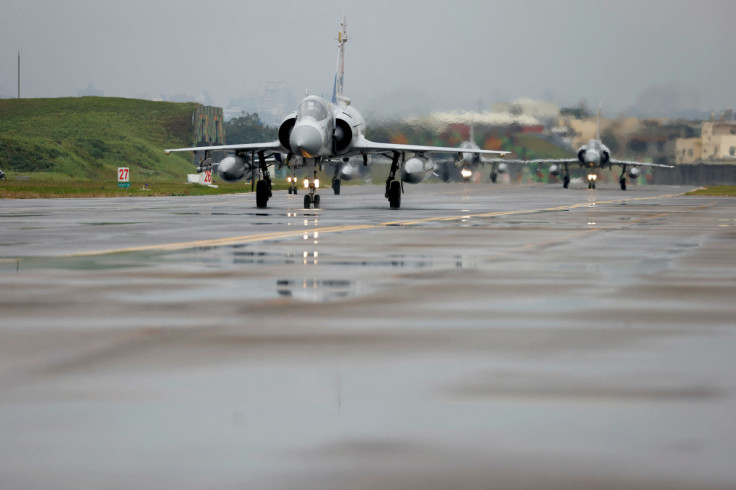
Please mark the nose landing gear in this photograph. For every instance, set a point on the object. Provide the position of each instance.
(292, 184)
(312, 198)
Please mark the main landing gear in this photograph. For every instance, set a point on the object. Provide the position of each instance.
(393, 187)
(263, 187)
(622, 179)
(336, 179)
(566, 178)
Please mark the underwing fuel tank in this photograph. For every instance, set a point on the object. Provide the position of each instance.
(416, 170)
(231, 169)
(348, 172)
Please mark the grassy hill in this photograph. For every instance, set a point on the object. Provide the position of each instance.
(87, 138)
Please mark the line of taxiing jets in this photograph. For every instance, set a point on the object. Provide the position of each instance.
(322, 131)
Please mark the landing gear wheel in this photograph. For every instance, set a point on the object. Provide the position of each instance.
(623, 184)
(394, 194)
(295, 189)
(336, 186)
(592, 185)
(307, 201)
(290, 189)
(566, 181)
(316, 201)
(494, 177)
(261, 194)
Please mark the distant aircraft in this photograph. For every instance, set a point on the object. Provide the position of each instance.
(319, 131)
(592, 156)
(471, 161)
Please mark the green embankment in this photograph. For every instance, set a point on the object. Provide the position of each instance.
(87, 138)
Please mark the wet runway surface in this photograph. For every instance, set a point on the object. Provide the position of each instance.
(481, 336)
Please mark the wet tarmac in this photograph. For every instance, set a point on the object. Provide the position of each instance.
(480, 337)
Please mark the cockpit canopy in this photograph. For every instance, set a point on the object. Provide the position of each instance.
(312, 108)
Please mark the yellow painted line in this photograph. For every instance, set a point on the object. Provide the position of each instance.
(237, 240)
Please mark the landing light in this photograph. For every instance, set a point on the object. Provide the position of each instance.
(316, 183)
(592, 176)
(288, 179)
(306, 183)
(466, 173)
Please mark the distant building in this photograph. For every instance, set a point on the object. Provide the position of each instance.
(440, 121)
(688, 150)
(719, 140)
(717, 143)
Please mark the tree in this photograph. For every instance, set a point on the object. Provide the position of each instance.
(248, 128)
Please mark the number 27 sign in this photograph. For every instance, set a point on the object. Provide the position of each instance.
(123, 177)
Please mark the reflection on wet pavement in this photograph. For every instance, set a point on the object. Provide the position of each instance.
(586, 347)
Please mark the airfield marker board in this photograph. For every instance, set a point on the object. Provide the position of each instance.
(123, 177)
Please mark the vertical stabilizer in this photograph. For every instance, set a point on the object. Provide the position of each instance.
(342, 38)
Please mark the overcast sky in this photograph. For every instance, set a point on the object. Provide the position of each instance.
(660, 55)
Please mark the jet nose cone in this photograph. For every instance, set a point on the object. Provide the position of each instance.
(306, 141)
(592, 156)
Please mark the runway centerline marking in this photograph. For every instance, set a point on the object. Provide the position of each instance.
(219, 242)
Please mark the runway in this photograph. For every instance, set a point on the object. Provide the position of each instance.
(480, 337)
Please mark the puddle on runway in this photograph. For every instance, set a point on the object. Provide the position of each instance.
(229, 256)
(304, 289)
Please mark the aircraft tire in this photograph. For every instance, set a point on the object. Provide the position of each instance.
(316, 201)
(307, 201)
(394, 195)
(261, 194)
(289, 189)
(493, 178)
(623, 184)
(566, 182)
(336, 186)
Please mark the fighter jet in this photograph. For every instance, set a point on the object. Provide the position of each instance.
(592, 156)
(321, 130)
(471, 161)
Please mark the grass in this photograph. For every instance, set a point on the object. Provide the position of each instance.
(87, 138)
(717, 190)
